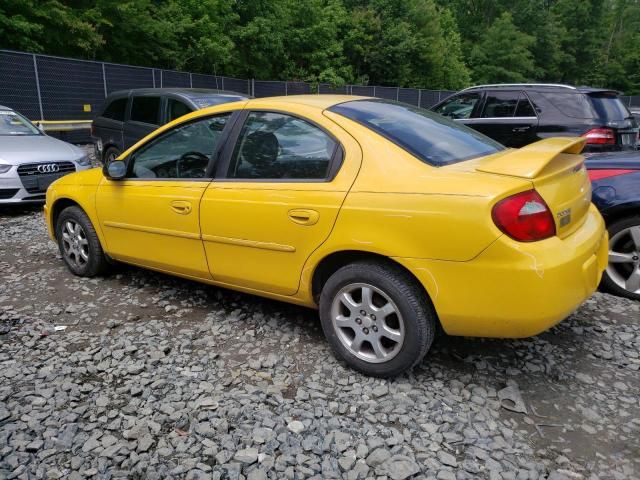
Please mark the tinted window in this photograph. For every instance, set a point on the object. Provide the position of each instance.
(203, 101)
(277, 146)
(183, 152)
(176, 109)
(116, 109)
(571, 104)
(146, 110)
(459, 106)
(609, 107)
(500, 104)
(525, 109)
(430, 137)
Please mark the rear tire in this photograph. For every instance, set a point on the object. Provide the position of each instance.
(79, 244)
(622, 277)
(377, 318)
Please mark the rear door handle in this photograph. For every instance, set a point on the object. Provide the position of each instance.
(181, 207)
(303, 216)
(521, 129)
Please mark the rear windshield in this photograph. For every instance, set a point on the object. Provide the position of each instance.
(609, 107)
(426, 135)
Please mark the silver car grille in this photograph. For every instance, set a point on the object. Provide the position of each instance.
(36, 177)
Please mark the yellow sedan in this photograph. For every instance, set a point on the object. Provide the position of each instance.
(387, 218)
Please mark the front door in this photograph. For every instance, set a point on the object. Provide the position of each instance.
(279, 197)
(151, 218)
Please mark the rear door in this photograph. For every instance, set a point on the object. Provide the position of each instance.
(145, 116)
(283, 182)
(108, 126)
(508, 117)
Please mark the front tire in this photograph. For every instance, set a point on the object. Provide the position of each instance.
(377, 318)
(622, 276)
(110, 154)
(79, 244)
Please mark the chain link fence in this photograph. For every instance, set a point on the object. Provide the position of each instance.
(44, 87)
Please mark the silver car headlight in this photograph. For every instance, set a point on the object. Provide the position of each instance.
(5, 168)
(84, 160)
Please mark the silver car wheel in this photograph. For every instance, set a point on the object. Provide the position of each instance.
(367, 322)
(624, 259)
(75, 244)
(111, 157)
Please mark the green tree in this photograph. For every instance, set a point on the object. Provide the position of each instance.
(503, 53)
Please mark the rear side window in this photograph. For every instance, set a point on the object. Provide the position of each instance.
(177, 109)
(116, 109)
(609, 107)
(146, 110)
(431, 138)
(275, 146)
(574, 105)
(500, 104)
(524, 108)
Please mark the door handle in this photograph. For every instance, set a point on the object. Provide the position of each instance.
(181, 207)
(302, 216)
(521, 129)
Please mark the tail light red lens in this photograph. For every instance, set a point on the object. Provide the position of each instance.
(609, 172)
(525, 217)
(600, 136)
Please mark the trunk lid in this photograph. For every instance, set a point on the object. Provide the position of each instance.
(557, 173)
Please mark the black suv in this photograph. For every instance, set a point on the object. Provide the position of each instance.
(518, 114)
(129, 115)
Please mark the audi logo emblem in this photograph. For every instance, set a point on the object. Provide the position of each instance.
(48, 168)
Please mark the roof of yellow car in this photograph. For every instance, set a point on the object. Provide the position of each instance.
(318, 101)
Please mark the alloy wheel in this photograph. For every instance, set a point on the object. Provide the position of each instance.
(75, 244)
(624, 259)
(367, 322)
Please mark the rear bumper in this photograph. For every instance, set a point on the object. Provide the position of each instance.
(516, 290)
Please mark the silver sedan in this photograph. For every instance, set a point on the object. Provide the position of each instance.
(30, 160)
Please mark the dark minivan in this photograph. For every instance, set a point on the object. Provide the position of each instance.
(518, 114)
(129, 115)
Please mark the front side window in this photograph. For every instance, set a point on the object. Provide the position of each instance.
(176, 109)
(459, 107)
(430, 137)
(146, 110)
(183, 152)
(14, 124)
(116, 110)
(274, 146)
(500, 104)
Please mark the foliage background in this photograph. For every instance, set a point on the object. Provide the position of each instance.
(439, 44)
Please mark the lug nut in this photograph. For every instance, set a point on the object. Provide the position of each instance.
(374, 328)
(358, 321)
(373, 317)
(365, 331)
(362, 312)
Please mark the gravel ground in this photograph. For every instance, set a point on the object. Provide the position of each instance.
(156, 377)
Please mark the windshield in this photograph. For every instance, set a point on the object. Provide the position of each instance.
(609, 107)
(426, 135)
(12, 123)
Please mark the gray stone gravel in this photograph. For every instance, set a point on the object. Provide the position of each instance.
(156, 377)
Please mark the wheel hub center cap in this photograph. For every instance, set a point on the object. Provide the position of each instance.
(367, 322)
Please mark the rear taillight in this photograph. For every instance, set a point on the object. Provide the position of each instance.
(609, 172)
(524, 217)
(600, 136)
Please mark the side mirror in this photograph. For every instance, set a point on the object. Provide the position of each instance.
(115, 170)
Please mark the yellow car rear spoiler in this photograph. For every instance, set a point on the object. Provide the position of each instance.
(529, 161)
